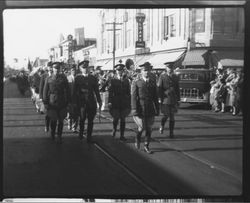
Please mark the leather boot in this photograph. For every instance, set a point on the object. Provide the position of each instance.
(59, 131)
(171, 129)
(53, 129)
(115, 123)
(89, 132)
(47, 123)
(138, 139)
(147, 141)
(163, 121)
(122, 130)
(81, 125)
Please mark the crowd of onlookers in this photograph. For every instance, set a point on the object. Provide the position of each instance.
(226, 91)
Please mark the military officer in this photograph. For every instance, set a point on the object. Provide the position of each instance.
(119, 99)
(169, 97)
(144, 104)
(85, 94)
(56, 97)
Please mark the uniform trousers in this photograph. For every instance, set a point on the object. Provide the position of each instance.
(144, 123)
(89, 114)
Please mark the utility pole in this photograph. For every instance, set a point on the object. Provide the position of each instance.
(114, 37)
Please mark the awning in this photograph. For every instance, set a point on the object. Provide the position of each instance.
(195, 57)
(140, 59)
(158, 60)
(230, 58)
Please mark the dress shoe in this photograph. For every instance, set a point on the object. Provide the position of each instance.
(123, 139)
(146, 149)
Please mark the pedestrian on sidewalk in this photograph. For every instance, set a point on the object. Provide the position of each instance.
(119, 100)
(85, 97)
(144, 104)
(56, 96)
(72, 110)
(169, 97)
(48, 72)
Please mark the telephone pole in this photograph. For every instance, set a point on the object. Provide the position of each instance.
(114, 36)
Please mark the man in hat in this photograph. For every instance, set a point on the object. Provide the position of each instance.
(56, 97)
(144, 104)
(47, 73)
(85, 94)
(119, 100)
(169, 97)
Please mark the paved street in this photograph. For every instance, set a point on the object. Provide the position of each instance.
(204, 158)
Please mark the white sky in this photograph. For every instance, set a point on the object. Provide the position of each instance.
(31, 32)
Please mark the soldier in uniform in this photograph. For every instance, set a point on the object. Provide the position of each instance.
(169, 97)
(144, 104)
(119, 100)
(41, 87)
(56, 96)
(85, 94)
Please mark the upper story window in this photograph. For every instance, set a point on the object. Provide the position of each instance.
(199, 20)
(227, 20)
(170, 26)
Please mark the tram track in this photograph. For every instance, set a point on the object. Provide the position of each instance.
(204, 161)
(125, 168)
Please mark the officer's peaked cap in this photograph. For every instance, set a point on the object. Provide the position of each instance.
(56, 65)
(146, 66)
(83, 62)
(120, 67)
(169, 64)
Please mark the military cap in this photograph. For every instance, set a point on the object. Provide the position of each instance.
(56, 65)
(83, 62)
(169, 64)
(146, 66)
(119, 67)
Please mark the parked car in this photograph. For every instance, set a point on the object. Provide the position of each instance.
(195, 84)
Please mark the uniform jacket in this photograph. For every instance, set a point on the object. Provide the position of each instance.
(168, 89)
(86, 91)
(144, 98)
(42, 82)
(119, 93)
(56, 88)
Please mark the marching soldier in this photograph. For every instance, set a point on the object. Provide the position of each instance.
(85, 94)
(169, 97)
(144, 104)
(56, 97)
(119, 100)
(41, 87)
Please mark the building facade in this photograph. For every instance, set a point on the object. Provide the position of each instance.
(170, 34)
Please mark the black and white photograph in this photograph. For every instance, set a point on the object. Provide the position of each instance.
(121, 103)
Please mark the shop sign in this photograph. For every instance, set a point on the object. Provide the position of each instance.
(140, 17)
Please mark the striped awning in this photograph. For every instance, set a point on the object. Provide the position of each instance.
(230, 58)
(158, 60)
(195, 57)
